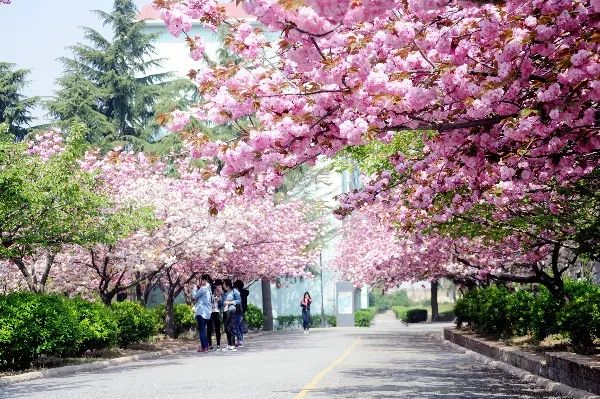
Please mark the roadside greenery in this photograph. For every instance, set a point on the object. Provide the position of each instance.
(185, 318)
(503, 312)
(34, 325)
(364, 317)
(254, 317)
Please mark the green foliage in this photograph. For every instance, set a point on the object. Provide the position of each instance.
(97, 323)
(412, 315)
(46, 203)
(364, 317)
(330, 320)
(136, 322)
(108, 86)
(254, 317)
(400, 312)
(579, 318)
(288, 322)
(374, 157)
(499, 312)
(388, 300)
(15, 107)
(34, 325)
(185, 318)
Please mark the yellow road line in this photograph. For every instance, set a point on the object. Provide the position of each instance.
(311, 385)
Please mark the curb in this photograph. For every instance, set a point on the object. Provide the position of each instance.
(99, 365)
(548, 385)
(77, 368)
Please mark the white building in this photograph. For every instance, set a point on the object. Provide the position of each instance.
(286, 293)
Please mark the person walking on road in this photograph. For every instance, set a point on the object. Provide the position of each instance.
(229, 301)
(202, 294)
(305, 305)
(214, 323)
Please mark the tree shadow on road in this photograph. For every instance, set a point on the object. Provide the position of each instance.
(419, 368)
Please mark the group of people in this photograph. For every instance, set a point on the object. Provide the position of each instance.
(222, 297)
(216, 298)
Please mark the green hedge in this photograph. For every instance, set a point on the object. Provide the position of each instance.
(364, 317)
(36, 325)
(99, 328)
(330, 320)
(500, 312)
(185, 318)
(136, 322)
(254, 317)
(293, 322)
(410, 315)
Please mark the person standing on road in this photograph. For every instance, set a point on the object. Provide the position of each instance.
(305, 305)
(215, 318)
(241, 311)
(202, 294)
(229, 301)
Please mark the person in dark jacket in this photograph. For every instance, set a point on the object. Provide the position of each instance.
(305, 305)
(239, 315)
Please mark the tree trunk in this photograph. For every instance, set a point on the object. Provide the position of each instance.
(107, 297)
(170, 315)
(139, 290)
(434, 300)
(267, 306)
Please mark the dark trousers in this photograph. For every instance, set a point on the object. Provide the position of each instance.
(228, 321)
(214, 324)
(202, 322)
(306, 319)
(238, 317)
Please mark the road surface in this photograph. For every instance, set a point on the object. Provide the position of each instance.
(387, 360)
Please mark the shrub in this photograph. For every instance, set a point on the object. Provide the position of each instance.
(496, 311)
(316, 321)
(400, 312)
(519, 312)
(98, 325)
(254, 317)
(447, 315)
(32, 325)
(288, 322)
(185, 318)
(543, 314)
(579, 319)
(388, 300)
(416, 315)
(331, 319)
(364, 317)
(136, 322)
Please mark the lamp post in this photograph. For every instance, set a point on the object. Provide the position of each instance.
(322, 307)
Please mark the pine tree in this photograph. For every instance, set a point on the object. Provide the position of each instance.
(109, 84)
(15, 107)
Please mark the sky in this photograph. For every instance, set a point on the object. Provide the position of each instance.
(35, 33)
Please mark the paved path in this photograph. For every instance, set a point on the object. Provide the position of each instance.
(384, 361)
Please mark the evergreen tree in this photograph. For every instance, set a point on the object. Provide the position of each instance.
(108, 84)
(15, 108)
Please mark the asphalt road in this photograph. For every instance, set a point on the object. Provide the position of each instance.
(384, 361)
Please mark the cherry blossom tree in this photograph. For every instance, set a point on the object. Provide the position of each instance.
(505, 95)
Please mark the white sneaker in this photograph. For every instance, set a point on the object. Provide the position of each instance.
(225, 349)
(232, 349)
(305, 331)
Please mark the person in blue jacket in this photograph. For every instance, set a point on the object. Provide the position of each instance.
(202, 294)
(231, 301)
